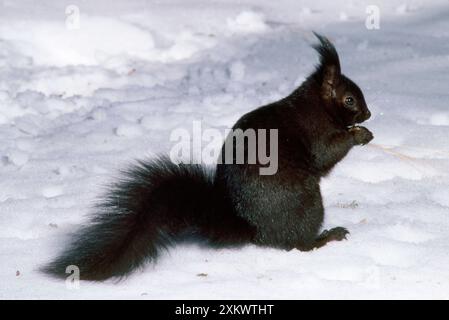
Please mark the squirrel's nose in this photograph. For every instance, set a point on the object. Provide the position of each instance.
(367, 114)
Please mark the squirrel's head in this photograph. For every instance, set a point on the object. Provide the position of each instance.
(341, 96)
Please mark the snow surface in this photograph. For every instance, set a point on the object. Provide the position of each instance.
(76, 105)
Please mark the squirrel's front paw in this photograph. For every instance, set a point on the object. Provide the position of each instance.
(361, 135)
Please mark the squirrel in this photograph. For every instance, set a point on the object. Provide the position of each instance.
(158, 203)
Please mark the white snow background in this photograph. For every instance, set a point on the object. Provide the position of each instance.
(76, 105)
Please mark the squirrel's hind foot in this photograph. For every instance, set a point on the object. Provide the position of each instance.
(334, 234)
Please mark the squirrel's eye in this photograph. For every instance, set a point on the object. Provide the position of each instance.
(349, 101)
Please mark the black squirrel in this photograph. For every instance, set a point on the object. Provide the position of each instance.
(158, 203)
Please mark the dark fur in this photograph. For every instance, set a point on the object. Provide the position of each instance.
(156, 204)
(159, 203)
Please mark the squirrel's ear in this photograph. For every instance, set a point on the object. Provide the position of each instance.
(328, 71)
(330, 81)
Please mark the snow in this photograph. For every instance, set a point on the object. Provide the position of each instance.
(79, 102)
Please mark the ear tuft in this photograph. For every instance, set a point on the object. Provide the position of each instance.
(328, 53)
(328, 71)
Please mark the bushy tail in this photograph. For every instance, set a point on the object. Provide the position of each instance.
(155, 204)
